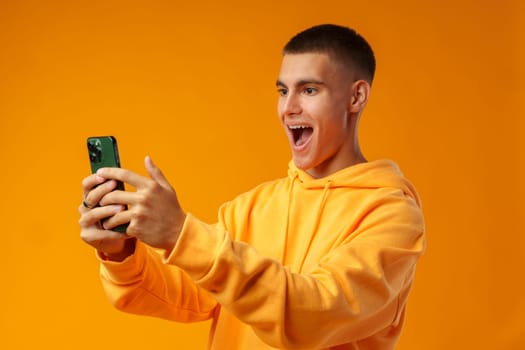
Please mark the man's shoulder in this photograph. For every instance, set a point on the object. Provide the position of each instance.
(263, 190)
(265, 187)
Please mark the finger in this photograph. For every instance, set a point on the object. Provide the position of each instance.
(91, 218)
(119, 197)
(124, 217)
(93, 197)
(89, 182)
(124, 175)
(155, 173)
(95, 235)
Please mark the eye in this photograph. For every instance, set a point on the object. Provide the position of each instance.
(310, 91)
(282, 91)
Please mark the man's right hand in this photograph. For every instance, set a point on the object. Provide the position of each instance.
(113, 245)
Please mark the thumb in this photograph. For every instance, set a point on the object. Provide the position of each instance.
(155, 173)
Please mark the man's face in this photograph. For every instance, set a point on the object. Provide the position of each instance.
(314, 97)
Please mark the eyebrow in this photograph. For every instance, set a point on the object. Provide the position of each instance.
(301, 82)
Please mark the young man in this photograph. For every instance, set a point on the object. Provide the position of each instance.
(323, 258)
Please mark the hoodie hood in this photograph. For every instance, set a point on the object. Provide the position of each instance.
(374, 174)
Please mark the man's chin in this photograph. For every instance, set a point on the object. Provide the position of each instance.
(302, 164)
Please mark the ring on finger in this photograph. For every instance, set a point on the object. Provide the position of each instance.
(85, 204)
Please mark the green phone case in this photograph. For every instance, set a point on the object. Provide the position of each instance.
(103, 153)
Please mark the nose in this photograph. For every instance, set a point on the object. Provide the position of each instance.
(289, 105)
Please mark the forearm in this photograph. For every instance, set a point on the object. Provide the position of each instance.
(142, 284)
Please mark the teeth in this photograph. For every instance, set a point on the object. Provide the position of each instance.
(293, 127)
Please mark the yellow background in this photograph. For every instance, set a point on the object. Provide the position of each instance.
(193, 85)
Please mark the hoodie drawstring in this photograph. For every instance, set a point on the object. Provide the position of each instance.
(288, 209)
(317, 220)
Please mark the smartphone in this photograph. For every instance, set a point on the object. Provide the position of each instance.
(103, 153)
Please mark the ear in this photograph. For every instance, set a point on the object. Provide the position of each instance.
(359, 96)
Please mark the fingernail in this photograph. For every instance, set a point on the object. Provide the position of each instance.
(117, 208)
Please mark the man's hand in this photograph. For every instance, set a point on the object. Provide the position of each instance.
(155, 216)
(116, 246)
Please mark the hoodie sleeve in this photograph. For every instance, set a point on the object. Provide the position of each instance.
(142, 284)
(358, 289)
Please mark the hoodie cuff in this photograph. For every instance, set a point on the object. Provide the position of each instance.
(124, 271)
(196, 248)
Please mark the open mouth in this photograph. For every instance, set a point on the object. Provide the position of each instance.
(300, 133)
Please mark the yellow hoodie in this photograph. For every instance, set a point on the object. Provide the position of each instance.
(297, 262)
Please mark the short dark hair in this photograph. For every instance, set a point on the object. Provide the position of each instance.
(341, 43)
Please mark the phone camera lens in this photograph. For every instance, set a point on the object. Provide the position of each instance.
(95, 152)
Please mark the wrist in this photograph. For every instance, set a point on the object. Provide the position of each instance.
(176, 234)
(127, 250)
